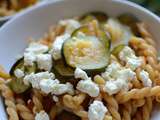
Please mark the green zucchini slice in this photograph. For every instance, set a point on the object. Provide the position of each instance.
(117, 49)
(16, 84)
(62, 69)
(85, 52)
(103, 36)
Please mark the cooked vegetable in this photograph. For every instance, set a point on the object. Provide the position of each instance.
(120, 34)
(86, 52)
(62, 69)
(117, 49)
(84, 29)
(17, 84)
(100, 16)
(130, 20)
(18, 64)
(104, 37)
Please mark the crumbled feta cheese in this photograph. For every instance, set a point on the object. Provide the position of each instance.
(35, 79)
(29, 58)
(89, 87)
(44, 61)
(36, 48)
(144, 76)
(111, 87)
(59, 89)
(55, 98)
(111, 71)
(31, 52)
(46, 85)
(117, 78)
(70, 24)
(42, 115)
(19, 73)
(57, 46)
(126, 74)
(127, 55)
(97, 111)
(134, 63)
(79, 73)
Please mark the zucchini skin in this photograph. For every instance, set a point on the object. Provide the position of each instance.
(16, 84)
(62, 69)
(18, 63)
(117, 49)
(102, 38)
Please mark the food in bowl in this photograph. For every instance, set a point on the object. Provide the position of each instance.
(92, 67)
(10, 7)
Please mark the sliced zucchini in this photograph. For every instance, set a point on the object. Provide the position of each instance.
(120, 33)
(19, 64)
(62, 69)
(16, 84)
(85, 52)
(103, 36)
(117, 49)
(84, 29)
(100, 16)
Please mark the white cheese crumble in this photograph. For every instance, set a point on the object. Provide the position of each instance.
(117, 78)
(127, 55)
(31, 52)
(70, 24)
(19, 73)
(111, 87)
(97, 111)
(144, 76)
(35, 79)
(59, 89)
(57, 46)
(36, 48)
(54, 87)
(44, 61)
(111, 71)
(89, 87)
(55, 98)
(42, 115)
(29, 58)
(79, 73)
(46, 85)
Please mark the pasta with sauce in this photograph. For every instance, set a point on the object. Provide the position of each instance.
(92, 67)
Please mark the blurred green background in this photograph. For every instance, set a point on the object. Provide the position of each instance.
(153, 5)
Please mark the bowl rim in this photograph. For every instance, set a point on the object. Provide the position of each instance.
(45, 4)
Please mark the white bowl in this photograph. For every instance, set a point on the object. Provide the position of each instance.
(35, 21)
